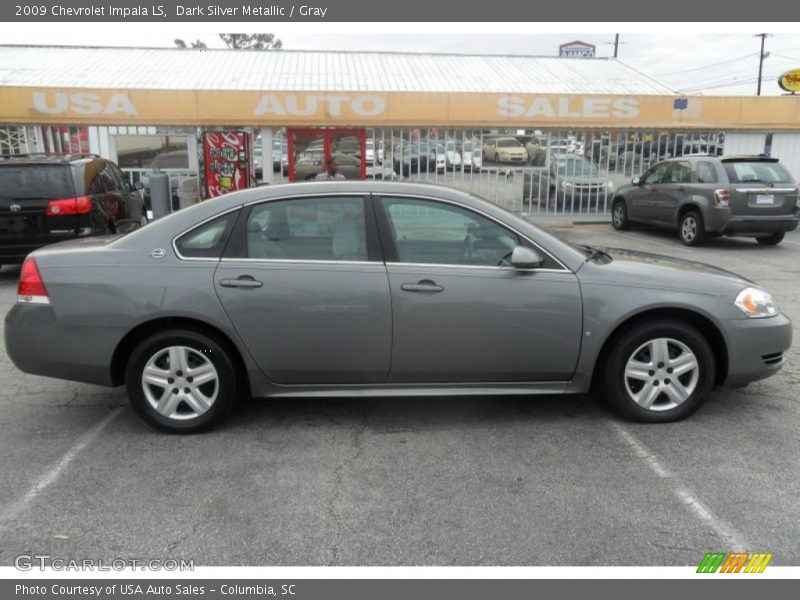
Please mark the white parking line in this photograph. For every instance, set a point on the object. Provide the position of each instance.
(14, 508)
(726, 533)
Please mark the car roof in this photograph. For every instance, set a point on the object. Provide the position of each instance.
(46, 159)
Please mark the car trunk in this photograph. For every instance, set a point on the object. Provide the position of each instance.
(25, 192)
(760, 187)
(750, 200)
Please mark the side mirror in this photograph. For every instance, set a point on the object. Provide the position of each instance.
(138, 185)
(635, 180)
(523, 257)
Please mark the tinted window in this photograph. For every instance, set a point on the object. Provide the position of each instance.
(706, 173)
(757, 171)
(656, 174)
(308, 229)
(425, 231)
(208, 240)
(36, 181)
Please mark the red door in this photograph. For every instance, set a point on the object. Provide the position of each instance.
(310, 149)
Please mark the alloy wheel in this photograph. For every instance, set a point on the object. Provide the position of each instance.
(180, 382)
(661, 374)
(619, 215)
(689, 228)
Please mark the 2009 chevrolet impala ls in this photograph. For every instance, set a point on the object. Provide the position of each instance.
(381, 289)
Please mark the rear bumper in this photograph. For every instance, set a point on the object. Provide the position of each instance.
(722, 221)
(756, 348)
(38, 343)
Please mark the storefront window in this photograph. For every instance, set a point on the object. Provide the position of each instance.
(152, 151)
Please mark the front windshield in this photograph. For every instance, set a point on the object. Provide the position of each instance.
(574, 165)
(508, 144)
(467, 147)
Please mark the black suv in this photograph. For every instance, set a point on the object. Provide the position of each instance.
(47, 198)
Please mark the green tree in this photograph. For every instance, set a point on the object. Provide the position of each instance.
(196, 44)
(246, 41)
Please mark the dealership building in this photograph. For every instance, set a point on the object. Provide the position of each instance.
(226, 119)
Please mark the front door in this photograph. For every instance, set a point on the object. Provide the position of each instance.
(643, 199)
(460, 313)
(307, 292)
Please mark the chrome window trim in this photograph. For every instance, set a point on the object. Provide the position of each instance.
(362, 195)
(192, 228)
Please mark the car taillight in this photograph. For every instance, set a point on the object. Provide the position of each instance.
(31, 288)
(722, 197)
(70, 206)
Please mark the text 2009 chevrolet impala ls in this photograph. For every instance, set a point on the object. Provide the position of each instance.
(373, 289)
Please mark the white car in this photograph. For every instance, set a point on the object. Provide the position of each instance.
(373, 157)
(471, 157)
(452, 157)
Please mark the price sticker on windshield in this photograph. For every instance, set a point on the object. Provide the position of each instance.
(765, 199)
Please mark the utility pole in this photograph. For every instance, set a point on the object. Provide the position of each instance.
(761, 58)
(616, 45)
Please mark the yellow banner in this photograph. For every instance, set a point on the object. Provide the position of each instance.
(20, 105)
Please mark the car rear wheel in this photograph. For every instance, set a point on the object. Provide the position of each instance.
(658, 372)
(181, 381)
(619, 216)
(691, 229)
(771, 240)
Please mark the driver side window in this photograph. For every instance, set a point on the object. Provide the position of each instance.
(656, 174)
(425, 231)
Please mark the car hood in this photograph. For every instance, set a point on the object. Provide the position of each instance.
(583, 180)
(656, 270)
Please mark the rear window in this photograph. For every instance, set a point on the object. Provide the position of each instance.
(36, 181)
(208, 240)
(757, 172)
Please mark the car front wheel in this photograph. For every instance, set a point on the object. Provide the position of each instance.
(657, 372)
(181, 381)
(619, 216)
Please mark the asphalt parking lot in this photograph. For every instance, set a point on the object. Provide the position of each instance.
(462, 481)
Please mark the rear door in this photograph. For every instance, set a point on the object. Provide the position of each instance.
(26, 190)
(760, 187)
(304, 284)
(675, 187)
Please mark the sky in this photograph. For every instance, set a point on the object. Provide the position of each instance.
(706, 63)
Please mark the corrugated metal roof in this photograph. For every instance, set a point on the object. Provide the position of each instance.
(291, 70)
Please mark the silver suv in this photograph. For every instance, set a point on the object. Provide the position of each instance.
(704, 196)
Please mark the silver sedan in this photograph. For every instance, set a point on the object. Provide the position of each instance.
(381, 289)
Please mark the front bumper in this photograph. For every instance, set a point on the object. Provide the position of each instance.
(756, 348)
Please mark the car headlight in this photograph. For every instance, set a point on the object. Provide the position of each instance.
(567, 187)
(610, 186)
(756, 303)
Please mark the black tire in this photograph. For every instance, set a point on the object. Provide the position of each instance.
(619, 215)
(771, 240)
(613, 384)
(218, 354)
(691, 229)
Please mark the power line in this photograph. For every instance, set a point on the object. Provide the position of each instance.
(724, 62)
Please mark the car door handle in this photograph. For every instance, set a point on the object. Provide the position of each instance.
(425, 286)
(245, 281)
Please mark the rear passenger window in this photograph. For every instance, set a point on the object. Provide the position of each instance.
(681, 172)
(308, 229)
(207, 240)
(706, 173)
